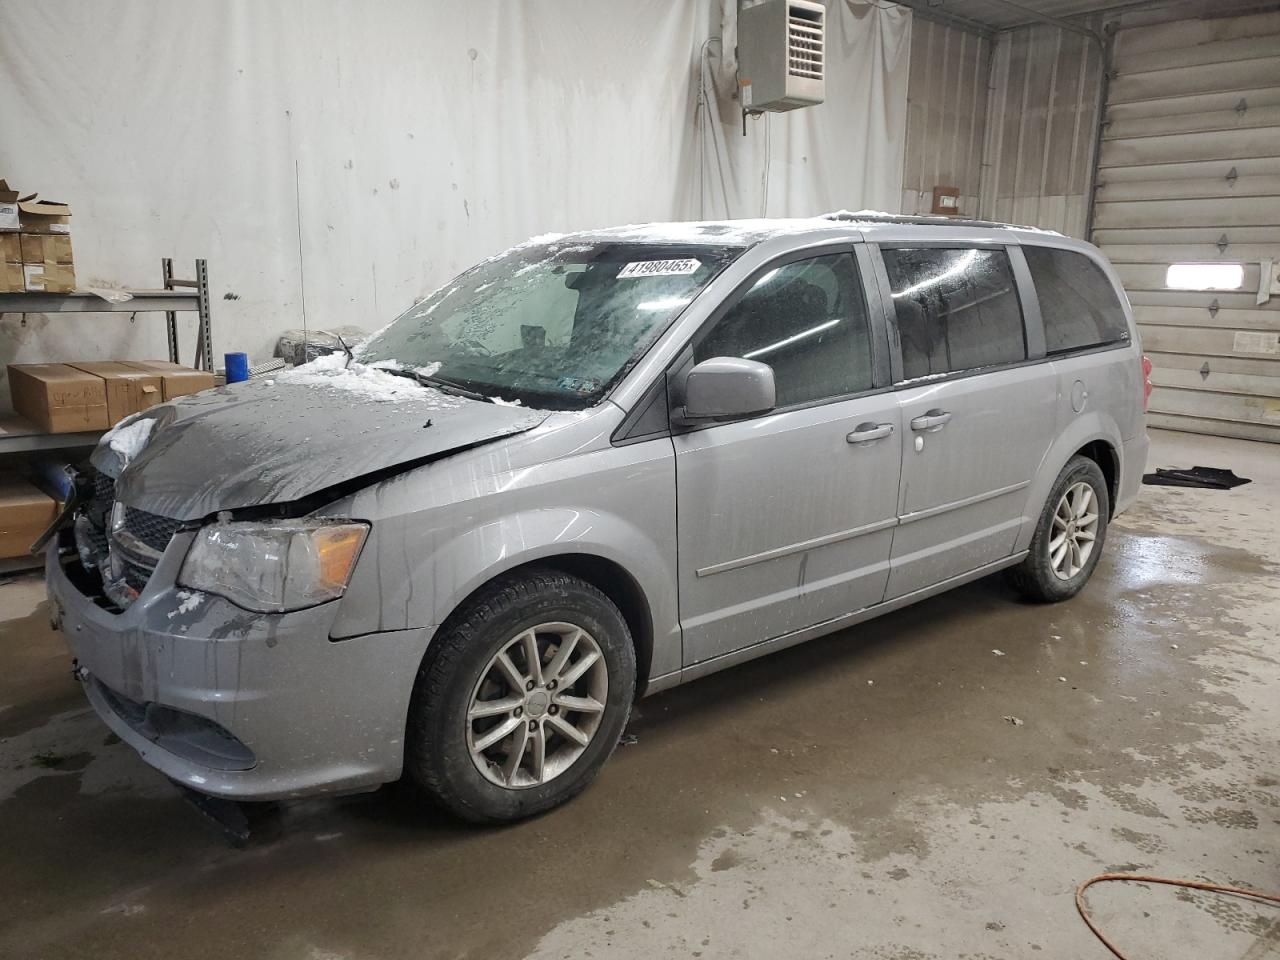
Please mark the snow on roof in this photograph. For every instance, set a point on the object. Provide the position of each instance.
(705, 231)
(875, 218)
(749, 231)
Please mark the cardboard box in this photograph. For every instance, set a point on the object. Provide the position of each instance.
(49, 277)
(58, 398)
(44, 247)
(12, 279)
(128, 389)
(176, 380)
(25, 513)
(43, 216)
(47, 262)
(8, 207)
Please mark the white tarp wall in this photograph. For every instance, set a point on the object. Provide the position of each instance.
(344, 159)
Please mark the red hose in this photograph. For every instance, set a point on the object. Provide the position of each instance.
(1141, 878)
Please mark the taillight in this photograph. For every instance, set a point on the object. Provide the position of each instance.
(1146, 382)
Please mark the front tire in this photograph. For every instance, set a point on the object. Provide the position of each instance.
(1069, 535)
(521, 698)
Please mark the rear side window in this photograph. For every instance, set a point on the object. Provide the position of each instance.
(808, 321)
(957, 309)
(1077, 301)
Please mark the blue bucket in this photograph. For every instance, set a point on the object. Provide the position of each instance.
(237, 367)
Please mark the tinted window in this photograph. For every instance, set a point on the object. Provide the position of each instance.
(957, 309)
(808, 321)
(1077, 301)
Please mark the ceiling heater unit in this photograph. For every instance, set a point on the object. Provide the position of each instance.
(781, 54)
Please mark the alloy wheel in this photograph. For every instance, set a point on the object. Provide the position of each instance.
(537, 705)
(1075, 530)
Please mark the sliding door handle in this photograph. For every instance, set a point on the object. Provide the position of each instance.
(931, 421)
(870, 432)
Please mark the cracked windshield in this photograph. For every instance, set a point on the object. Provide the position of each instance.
(548, 325)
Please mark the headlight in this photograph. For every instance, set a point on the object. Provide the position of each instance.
(274, 567)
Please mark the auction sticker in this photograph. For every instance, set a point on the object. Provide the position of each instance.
(659, 268)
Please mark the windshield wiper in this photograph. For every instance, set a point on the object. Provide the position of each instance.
(450, 386)
(350, 355)
(441, 384)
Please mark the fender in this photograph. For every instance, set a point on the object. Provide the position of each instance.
(445, 576)
(440, 533)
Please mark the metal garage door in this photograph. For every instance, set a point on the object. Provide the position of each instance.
(1189, 172)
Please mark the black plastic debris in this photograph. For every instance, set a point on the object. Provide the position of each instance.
(1208, 478)
(227, 815)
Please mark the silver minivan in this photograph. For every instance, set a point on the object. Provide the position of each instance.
(588, 469)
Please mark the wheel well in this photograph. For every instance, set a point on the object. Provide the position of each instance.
(620, 587)
(616, 584)
(1104, 455)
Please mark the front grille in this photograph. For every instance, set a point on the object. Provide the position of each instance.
(136, 547)
(135, 574)
(91, 542)
(96, 491)
(125, 556)
(151, 529)
(102, 493)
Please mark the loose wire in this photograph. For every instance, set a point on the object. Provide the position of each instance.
(1142, 878)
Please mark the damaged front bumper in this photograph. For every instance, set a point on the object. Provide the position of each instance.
(235, 704)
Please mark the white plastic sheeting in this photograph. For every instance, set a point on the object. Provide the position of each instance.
(340, 160)
(845, 153)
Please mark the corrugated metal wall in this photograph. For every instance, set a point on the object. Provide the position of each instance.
(1044, 115)
(946, 115)
(1190, 172)
(1011, 127)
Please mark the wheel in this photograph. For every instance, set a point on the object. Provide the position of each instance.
(521, 698)
(1069, 536)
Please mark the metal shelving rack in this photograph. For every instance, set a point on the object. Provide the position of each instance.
(18, 435)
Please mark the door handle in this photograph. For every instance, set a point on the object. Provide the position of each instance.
(932, 421)
(870, 432)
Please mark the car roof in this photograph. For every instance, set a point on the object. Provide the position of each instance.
(747, 232)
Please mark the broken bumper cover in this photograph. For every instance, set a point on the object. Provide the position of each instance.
(235, 704)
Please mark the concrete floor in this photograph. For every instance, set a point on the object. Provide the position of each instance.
(861, 796)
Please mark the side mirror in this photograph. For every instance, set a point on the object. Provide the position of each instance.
(726, 387)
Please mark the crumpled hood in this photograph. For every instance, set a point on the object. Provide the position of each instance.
(275, 441)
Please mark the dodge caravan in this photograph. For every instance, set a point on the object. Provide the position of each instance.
(589, 469)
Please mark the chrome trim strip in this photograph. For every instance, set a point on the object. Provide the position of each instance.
(966, 502)
(797, 547)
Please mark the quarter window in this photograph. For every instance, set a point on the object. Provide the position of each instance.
(808, 321)
(957, 309)
(1077, 301)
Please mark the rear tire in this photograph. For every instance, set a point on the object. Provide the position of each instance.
(515, 681)
(1069, 535)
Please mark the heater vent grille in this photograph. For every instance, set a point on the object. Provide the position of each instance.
(804, 42)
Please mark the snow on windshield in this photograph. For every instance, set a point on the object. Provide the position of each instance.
(370, 381)
(552, 325)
